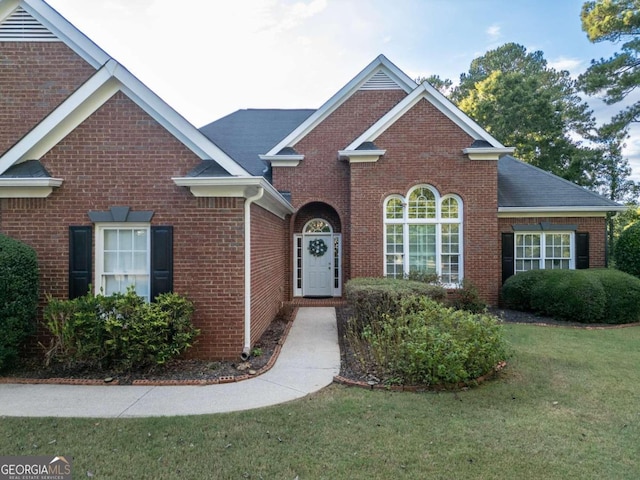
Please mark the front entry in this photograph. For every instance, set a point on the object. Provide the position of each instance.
(317, 265)
(318, 269)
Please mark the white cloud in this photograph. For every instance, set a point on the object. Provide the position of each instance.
(632, 151)
(572, 65)
(494, 32)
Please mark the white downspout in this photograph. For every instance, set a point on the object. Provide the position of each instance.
(246, 350)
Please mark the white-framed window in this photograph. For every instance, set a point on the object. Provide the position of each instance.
(123, 258)
(544, 250)
(423, 233)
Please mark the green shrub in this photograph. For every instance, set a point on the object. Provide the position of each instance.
(587, 296)
(573, 295)
(369, 298)
(467, 298)
(627, 250)
(622, 295)
(18, 297)
(516, 291)
(120, 331)
(432, 345)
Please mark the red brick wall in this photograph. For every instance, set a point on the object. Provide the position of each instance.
(121, 157)
(321, 176)
(425, 147)
(34, 79)
(269, 260)
(595, 226)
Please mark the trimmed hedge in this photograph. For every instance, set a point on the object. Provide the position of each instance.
(18, 297)
(622, 295)
(627, 250)
(586, 296)
(432, 345)
(370, 298)
(120, 332)
(574, 295)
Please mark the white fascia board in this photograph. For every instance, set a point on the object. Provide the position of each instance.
(362, 156)
(458, 117)
(560, 210)
(388, 119)
(66, 117)
(28, 187)
(94, 93)
(439, 101)
(66, 32)
(239, 187)
(487, 153)
(381, 62)
(282, 160)
(175, 123)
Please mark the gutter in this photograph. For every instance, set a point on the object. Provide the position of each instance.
(246, 350)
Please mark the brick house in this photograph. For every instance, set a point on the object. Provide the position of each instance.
(113, 188)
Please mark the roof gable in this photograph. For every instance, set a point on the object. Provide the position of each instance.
(109, 78)
(426, 92)
(35, 20)
(380, 74)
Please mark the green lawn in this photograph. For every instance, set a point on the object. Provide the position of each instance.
(567, 407)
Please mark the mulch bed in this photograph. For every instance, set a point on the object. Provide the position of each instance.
(199, 372)
(175, 372)
(354, 373)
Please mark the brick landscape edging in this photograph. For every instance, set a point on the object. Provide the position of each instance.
(162, 383)
(419, 388)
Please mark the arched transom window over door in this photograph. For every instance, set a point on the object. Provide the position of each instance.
(423, 234)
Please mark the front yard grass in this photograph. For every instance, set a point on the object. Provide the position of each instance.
(565, 407)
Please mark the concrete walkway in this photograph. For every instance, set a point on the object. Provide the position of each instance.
(309, 360)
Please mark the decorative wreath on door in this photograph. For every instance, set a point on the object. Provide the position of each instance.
(317, 247)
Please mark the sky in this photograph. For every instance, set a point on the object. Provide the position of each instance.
(209, 58)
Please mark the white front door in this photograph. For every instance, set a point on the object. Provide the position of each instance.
(317, 265)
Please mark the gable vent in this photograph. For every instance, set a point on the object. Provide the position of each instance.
(21, 26)
(380, 81)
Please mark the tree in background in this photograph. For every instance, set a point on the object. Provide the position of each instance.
(443, 85)
(612, 181)
(528, 105)
(618, 76)
(615, 78)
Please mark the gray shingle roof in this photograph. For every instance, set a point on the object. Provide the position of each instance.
(522, 185)
(28, 169)
(245, 134)
(208, 168)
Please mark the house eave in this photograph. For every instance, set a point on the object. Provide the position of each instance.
(282, 160)
(487, 153)
(238, 187)
(361, 156)
(595, 211)
(90, 97)
(380, 63)
(28, 187)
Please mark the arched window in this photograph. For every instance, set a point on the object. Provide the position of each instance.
(317, 225)
(423, 234)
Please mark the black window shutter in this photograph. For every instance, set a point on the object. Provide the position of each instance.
(582, 250)
(508, 260)
(161, 260)
(80, 243)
